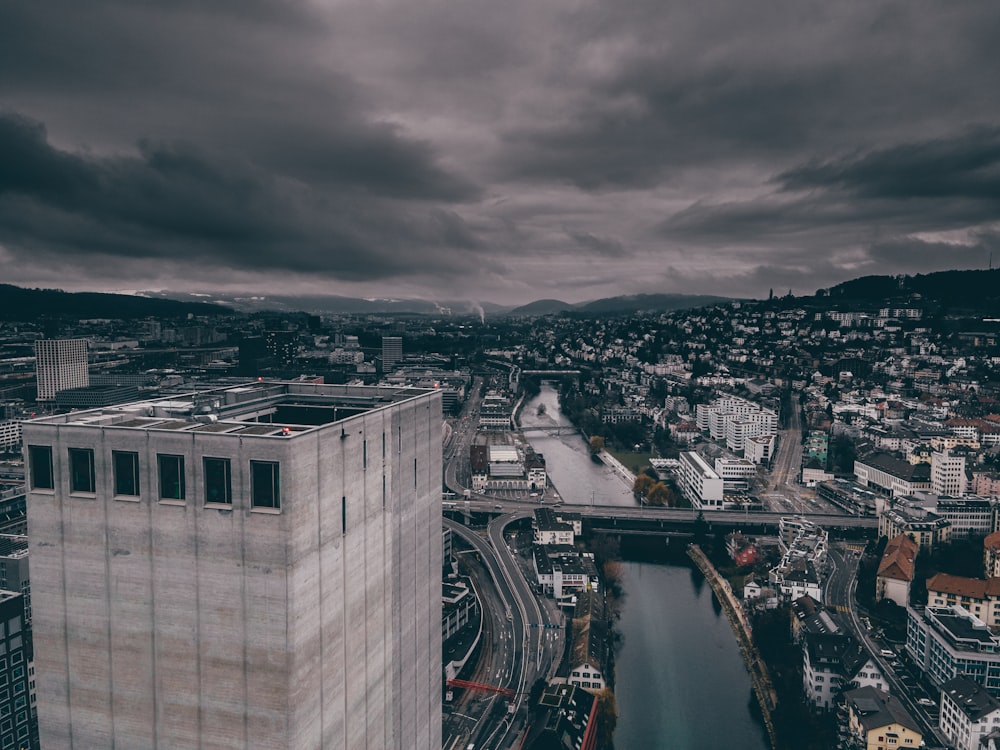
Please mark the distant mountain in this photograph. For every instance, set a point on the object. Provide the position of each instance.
(338, 305)
(332, 304)
(542, 307)
(17, 303)
(976, 290)
(637, 302)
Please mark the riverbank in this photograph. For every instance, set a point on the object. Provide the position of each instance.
(676, 664)
(617, 467)
(762, 686)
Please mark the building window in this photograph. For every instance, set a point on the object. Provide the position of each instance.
(264, 484)
(40, 457)
(126, 465)
(81, 470)
(218, 481)
(171, 476)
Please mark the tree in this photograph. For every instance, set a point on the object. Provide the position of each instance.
(596, 444)
(642, 485)
(660, 494)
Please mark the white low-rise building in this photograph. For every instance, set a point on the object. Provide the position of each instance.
(968, 713)
(699, 482)
(760, 448)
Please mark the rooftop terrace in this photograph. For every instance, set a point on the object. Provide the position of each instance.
(257, 408)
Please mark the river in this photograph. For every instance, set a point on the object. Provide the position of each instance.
(680, 680)
(567, 458)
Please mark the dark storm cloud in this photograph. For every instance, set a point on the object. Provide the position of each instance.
(718, 84)
(920, 256)
(171, 201)
(940, 184)
(500, 148)
(964, 166)
(600, 245)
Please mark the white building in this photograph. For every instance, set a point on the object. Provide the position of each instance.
(968, 713)
(735, 420)
(254, 566)
(60, 364)
(759, 448)
(736, 473)
(947, 474)
(946, 642)
(699, 482)
(891, 476)
(10, 434)
(551, 530)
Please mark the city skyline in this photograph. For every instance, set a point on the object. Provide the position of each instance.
(502, 154)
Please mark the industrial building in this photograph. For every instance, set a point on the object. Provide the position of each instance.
(250, 566)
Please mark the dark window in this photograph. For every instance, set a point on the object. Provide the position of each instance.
(171, 477)
(81, 470)
(126, 472)
(364, 454)
(264, 484)
(40, 457)
(343, 515)
(218, 481)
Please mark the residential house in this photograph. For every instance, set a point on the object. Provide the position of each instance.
(896, 569)
(879, 721)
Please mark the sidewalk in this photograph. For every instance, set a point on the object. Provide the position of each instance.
(618, 467)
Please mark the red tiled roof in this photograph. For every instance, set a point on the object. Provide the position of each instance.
(974, 588)
(992, 541)
(898, 559)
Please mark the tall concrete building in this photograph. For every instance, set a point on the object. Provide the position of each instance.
(947, 474)
(392, 351)
(60, 364)
(248, 567)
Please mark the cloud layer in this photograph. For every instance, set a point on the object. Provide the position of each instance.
(569, 149)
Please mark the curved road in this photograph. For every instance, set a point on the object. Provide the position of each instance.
(537, 650)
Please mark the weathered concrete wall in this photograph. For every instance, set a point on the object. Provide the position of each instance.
(173, 625)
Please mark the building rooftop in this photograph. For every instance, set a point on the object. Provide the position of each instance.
(875, 709)
(266, 409)
(963, 630)
(971, 698)
(975, 588)
(899, 559)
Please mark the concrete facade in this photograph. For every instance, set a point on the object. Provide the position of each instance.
(177, 623)
(60, 364)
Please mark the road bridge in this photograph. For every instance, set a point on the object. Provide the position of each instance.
(553, 431)
(551, 373)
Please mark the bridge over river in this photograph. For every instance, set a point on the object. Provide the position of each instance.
(668, 521)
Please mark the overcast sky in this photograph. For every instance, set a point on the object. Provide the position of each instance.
(501, 151)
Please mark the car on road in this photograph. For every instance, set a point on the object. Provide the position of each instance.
(887, 653)
(926, 702)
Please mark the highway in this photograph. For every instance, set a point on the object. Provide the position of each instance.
(523, 650)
